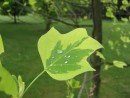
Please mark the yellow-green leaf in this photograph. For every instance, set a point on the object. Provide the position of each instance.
(119, 64)
(64, 56)
(7, 82)
(1, 45)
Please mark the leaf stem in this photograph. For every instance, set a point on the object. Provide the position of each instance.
(33, 81)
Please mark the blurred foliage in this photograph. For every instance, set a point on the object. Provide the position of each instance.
(13, 7)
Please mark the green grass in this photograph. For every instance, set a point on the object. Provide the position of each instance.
(28, 19)
(115, 83)
(21, 57)
(118, 49)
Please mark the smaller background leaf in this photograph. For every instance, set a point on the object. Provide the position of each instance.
(1, 45)
(100, 55)
(119, 64)
(74, 83)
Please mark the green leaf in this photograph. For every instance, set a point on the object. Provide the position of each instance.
(124, 19)
(125, 2)
(106, 67)
(21, 86)
(64, 55)
(100, 55)
(85, 17)
(117, 29)
(65, 9)
(1, 45)
(109, 13)
(32, 3)
(119, 64)
(7, 83)
(47, 1)
(125, 39)
(6, 3)
(115, 1)
(71, 95)
(74, 83)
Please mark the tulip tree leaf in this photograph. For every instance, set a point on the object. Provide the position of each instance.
(119, 64)
(1, 45)
(64, 56)
(7, 82)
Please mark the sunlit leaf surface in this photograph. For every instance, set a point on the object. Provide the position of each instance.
(65, 55)
(119, 64)
(7, 83)
(1, 45)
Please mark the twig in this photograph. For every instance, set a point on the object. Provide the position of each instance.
(83, 85)
(76, 4)
(67, 23)
(59, 20)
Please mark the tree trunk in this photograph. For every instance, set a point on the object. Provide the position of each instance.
(48, 24)
(119, 11)
(15, 19)
(14, 12)
(96, 34)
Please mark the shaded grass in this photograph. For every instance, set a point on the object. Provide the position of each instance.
(115, 83)
(21, 57)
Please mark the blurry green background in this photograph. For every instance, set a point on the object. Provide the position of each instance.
(21, 55)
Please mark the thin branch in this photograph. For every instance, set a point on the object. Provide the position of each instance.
(75, 4)
(59, 20)
(83, 85)
(72, 15)
(67, 23)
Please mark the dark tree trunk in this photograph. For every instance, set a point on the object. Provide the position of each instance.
(15, 12)
(96, 34)
(119, 12)
(119, 4)
(48, 24)
(15, 19)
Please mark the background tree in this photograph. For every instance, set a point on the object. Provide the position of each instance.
(116, 9)
(63, 11)
(72, 13)
(97, 34)
(45, 9)
(14, 8)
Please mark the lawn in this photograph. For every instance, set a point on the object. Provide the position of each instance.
(21, 57)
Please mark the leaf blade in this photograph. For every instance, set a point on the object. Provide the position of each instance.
(7, 83)
(1, 45)
(119, 64)
(65, 55)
